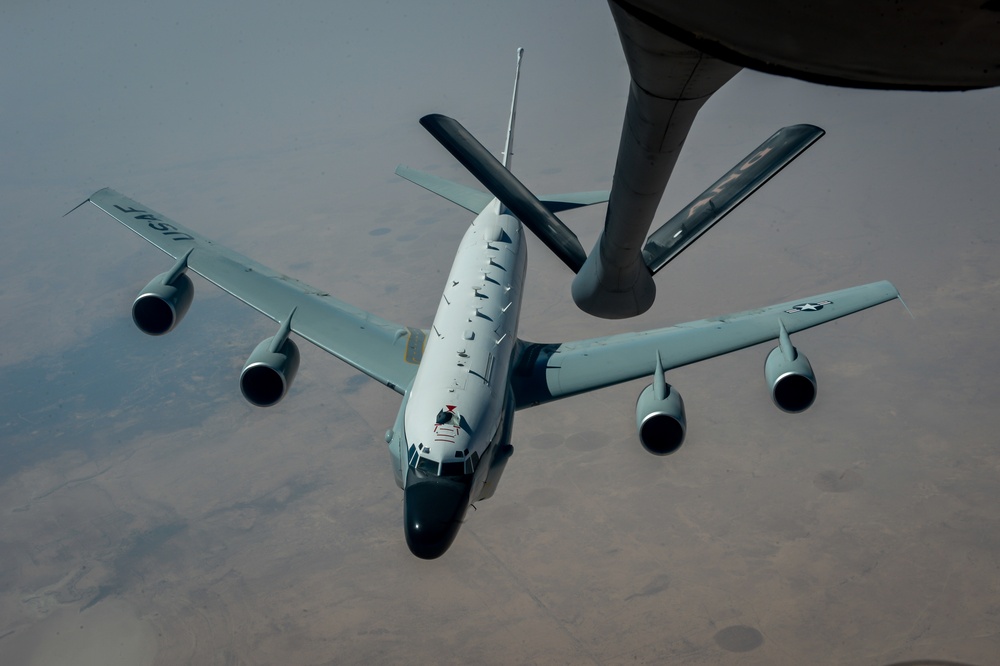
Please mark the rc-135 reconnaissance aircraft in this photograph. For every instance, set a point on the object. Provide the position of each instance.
(463, 380)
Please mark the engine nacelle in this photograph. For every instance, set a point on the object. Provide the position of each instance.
(791, 379)
(163, 303)
(269, 372)
(660, 419)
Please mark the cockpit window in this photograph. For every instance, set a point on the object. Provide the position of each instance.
(427, 465)
(449, 468)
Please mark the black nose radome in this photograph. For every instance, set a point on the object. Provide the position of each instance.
(432, 513)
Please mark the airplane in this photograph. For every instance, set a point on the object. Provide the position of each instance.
(934, 45)
(679, 53)
(463, 380)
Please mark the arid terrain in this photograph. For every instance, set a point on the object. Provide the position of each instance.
(149, 515)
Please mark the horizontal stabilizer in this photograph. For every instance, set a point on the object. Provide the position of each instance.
(727, 193)
(505, 187)
(476, 201)
(557, 203)
(466, 197)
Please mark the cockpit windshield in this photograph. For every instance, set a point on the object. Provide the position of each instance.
(422, 463)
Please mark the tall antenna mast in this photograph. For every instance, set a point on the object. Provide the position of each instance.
(508, 149)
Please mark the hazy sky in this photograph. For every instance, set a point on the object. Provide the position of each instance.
(149, 515)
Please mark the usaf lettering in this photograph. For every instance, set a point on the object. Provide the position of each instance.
(163, 227)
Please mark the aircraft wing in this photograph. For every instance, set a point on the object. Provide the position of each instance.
(386, 352)
(546, 372)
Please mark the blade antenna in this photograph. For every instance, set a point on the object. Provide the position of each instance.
(906, 307)
(86, 201)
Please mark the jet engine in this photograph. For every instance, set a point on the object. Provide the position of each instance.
(163, 303)
(659, 417)
(269, 371)
(790, 376)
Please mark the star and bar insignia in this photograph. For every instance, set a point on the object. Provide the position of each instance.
(808, 307)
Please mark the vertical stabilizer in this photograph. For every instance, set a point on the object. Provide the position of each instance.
(508, 148)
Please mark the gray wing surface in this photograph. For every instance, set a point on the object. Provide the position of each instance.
(386, 352)
(546, 372)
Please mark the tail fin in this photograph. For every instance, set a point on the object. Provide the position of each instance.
(508, 148)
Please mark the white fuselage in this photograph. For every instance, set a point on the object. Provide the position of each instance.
(457, 399)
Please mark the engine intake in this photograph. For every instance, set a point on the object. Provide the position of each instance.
(269, 372)
(791, 380)
(163, 303)
(660, 419)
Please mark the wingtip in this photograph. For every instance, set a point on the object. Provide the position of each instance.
(892, 293)
(432, 118)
